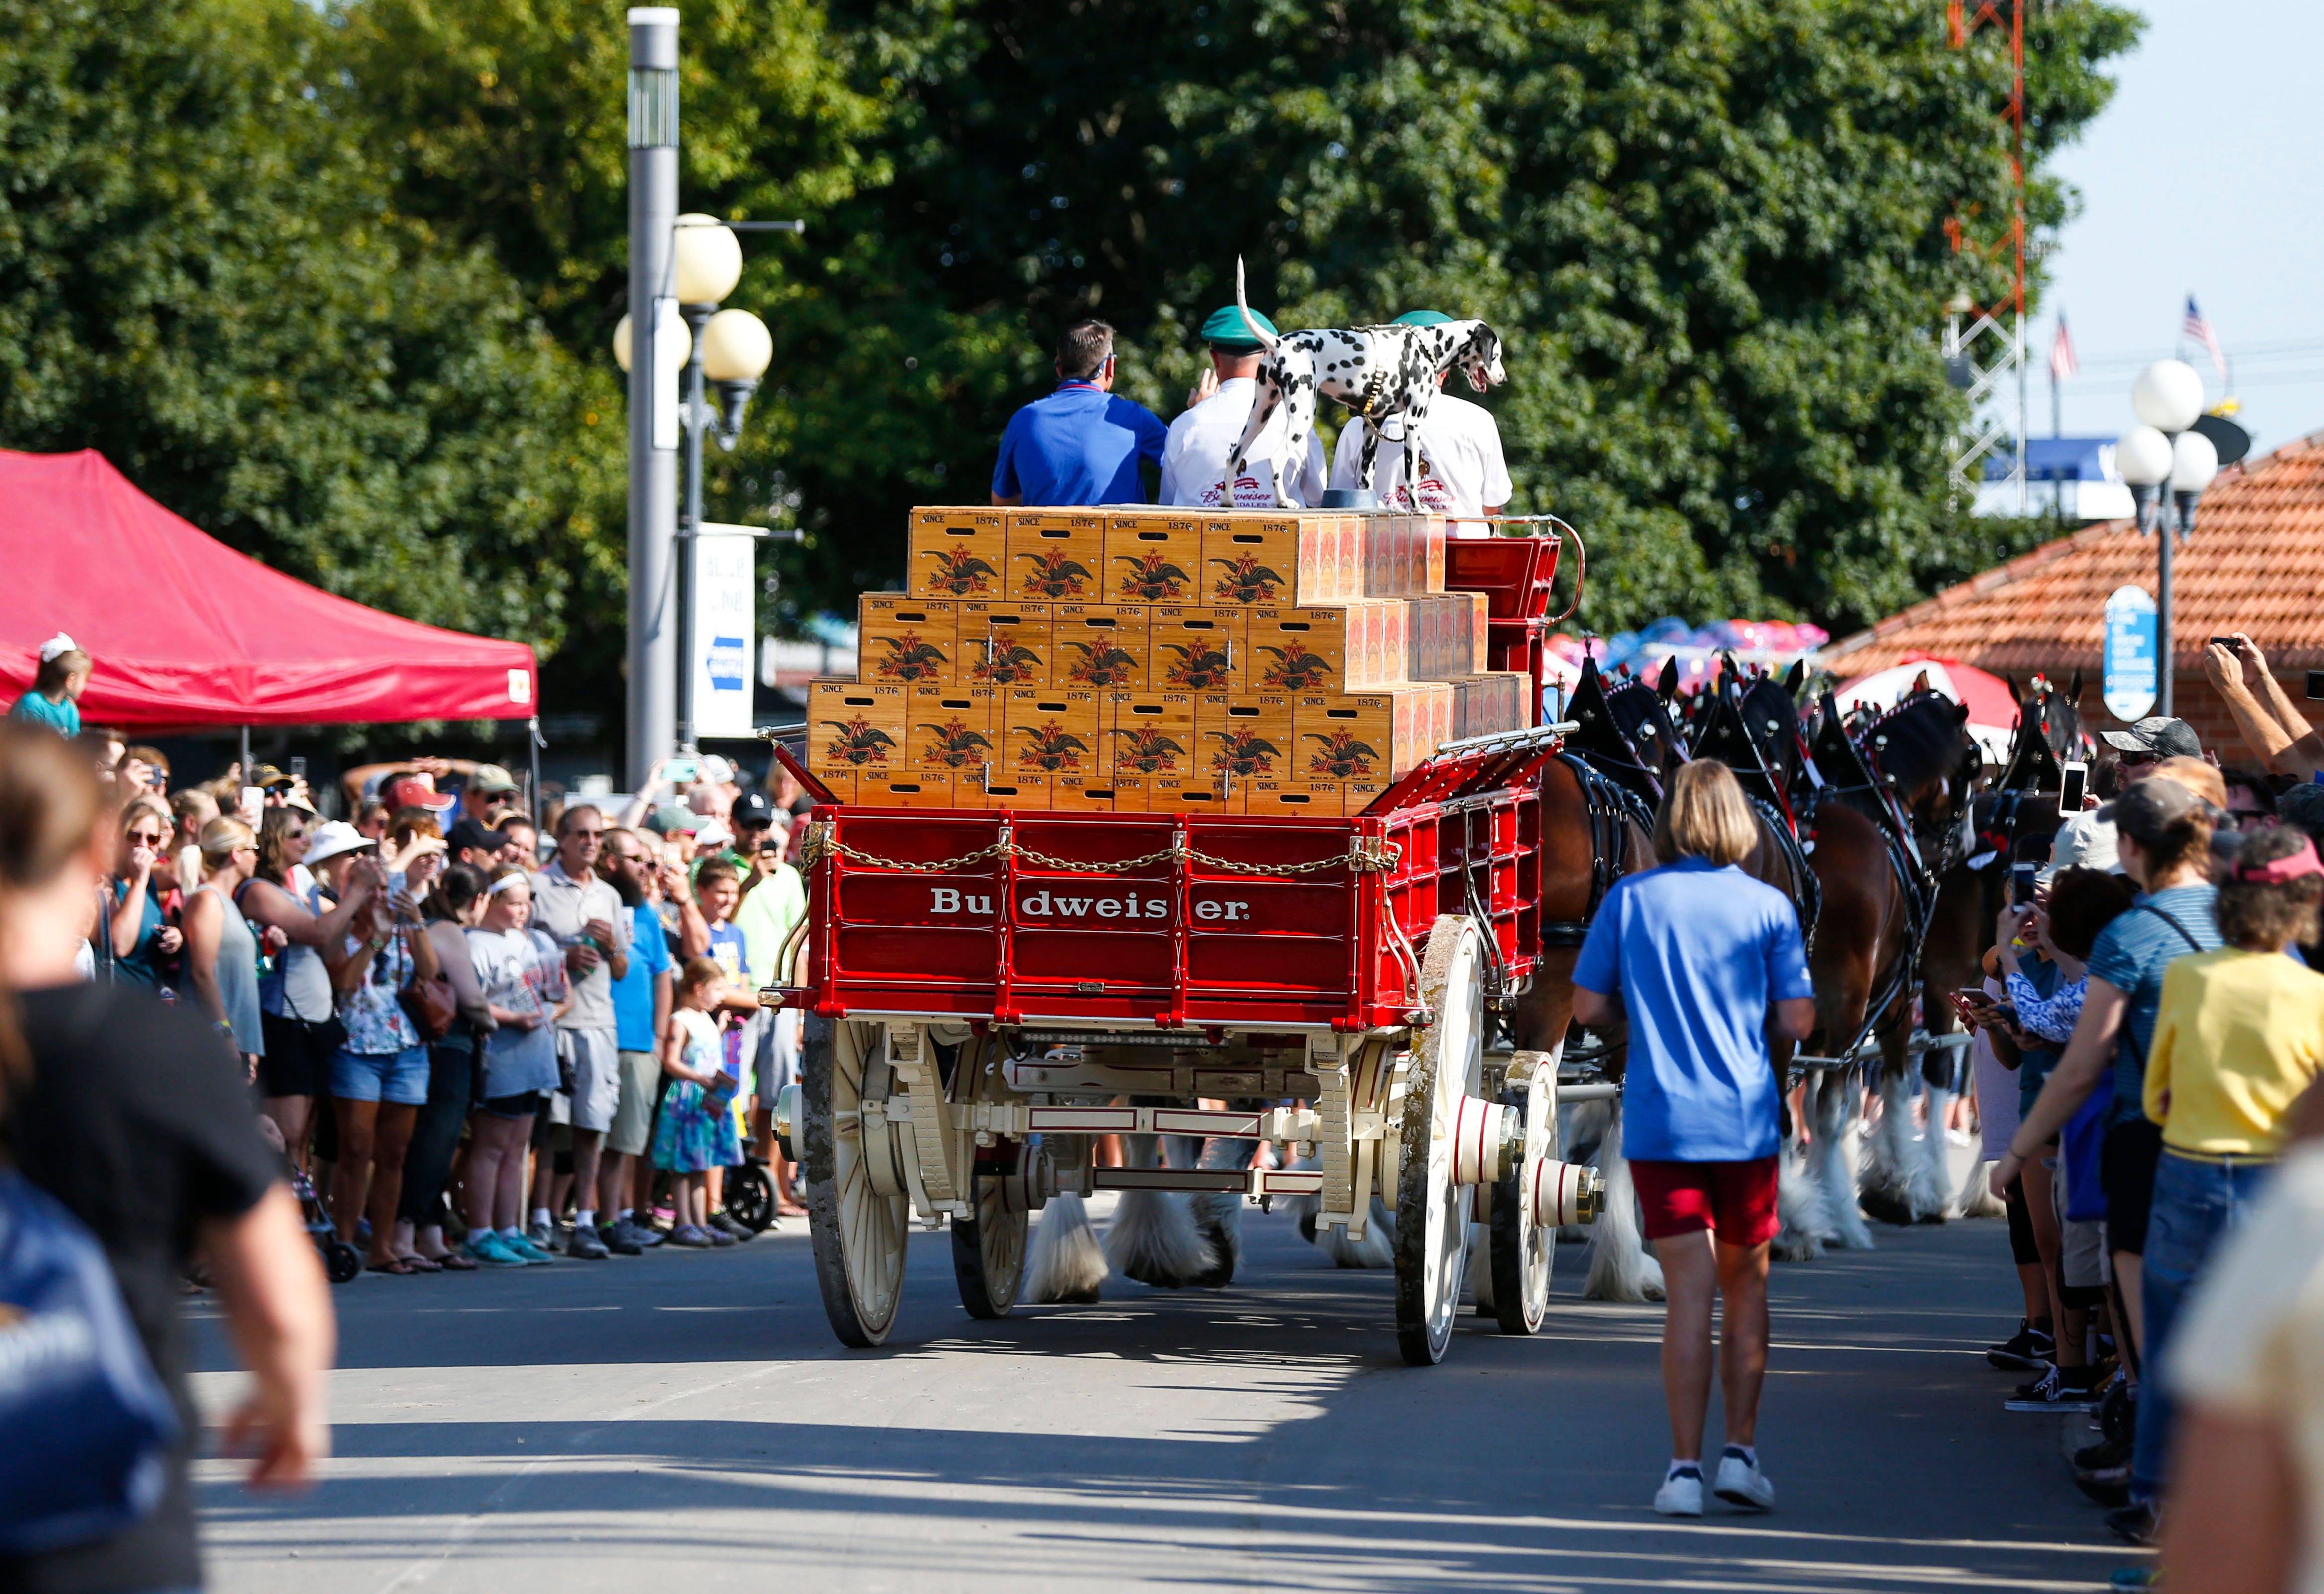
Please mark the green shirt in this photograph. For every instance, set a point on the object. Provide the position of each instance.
(766, 917)
(63, 717)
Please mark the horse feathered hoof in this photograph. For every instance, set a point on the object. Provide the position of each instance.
(1884, 1206)
(1307, 1227)
(1218, 1220)
(1066, 1266)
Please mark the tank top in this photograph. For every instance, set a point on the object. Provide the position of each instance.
(237, 973)
(301, 986)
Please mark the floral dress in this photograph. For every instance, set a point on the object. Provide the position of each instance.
(690, 1136)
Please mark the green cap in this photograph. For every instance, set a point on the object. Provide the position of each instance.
(1226, 330)
(1422, 319)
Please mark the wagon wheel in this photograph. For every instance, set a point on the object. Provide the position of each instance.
(987, 1252)
(1432, 1212)
(1521, 1250)
(858, 1232)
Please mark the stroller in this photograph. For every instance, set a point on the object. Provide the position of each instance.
(341, 1261)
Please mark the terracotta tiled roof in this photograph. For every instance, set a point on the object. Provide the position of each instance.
(2255, 565)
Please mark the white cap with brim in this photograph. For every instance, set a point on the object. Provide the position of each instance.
(2084, 841)
(334, 837)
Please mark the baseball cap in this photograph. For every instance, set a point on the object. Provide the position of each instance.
(753, 811)
(1225, 329)
(2148, 807)
(490, 780)
(471, 835)
(2084, 841)
(716, 770)
(2159, 734)
(2303, 805)
(712, 835)
(332, 837)
(670, 819)
(266, 775)
(1422, 319)
(418, 791)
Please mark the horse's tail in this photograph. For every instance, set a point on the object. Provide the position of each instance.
(1266, 340)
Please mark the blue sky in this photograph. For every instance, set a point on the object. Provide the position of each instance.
(2205, 173)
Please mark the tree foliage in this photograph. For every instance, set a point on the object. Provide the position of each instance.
(337, 281)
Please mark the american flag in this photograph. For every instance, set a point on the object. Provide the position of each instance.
(2063, 367)
(2198, 328)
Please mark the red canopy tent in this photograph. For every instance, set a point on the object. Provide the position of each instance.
(185, 632)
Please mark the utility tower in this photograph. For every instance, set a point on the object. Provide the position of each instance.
(1985, 343)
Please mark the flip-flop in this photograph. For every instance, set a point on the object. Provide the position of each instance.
(454, 1262)
(400, 1267)
(421, 1264)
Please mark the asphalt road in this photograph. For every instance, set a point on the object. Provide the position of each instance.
(686, 1421)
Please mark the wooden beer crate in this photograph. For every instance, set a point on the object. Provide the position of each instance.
(1270, 558)
(1100, 645)
(999, 788)
(958, 553)
(1287, 797)
(1243, 736)
(1153, 556)
(1428, 553)
(1191, 793)
(1047, 732)
(1087, 794)
(1148, 733)
(907, 639)
(905, 789)
(1198, 649)
(1007, 643)
(952, 730)
(1324, 647)
(853, 726)
(1057, 554)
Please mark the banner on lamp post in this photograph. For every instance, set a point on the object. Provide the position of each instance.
(2132, 675)
(724, 630)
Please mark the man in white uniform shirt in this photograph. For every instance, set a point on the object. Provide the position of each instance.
(1467, 474)
(1195, 456)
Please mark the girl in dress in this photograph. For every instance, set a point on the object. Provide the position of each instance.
(695, 1130)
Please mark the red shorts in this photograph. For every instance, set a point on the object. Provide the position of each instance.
(1735, 1201)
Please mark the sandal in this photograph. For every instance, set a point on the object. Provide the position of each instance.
(421, 1264)
(399, 1266)
(454, 1262)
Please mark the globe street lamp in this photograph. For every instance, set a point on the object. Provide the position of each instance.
(2163, 452)
(732, 349)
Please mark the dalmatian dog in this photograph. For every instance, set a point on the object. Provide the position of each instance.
(1375, 370)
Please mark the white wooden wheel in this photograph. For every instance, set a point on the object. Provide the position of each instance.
(987, 1251)
(1519, 1248)
(858, 1232)
(1432, 1212)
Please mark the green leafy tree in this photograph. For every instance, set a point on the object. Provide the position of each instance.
(202, 275)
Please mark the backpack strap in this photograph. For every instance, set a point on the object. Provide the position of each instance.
(2192, 944)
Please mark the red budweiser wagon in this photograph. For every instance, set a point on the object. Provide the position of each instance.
(987, 991)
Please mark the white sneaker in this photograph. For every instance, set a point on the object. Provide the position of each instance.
(1680, 1496)
(1741, 1483)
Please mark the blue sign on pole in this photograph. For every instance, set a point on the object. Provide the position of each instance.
(2131, 676)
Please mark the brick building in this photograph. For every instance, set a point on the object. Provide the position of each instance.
(2255, 565)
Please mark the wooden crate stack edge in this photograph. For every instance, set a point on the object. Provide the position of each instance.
(1144, 659)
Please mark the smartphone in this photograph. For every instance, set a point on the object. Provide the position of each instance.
(682, 772)
(2226, 643)
(2021, 877)
(2070, 793)
(2316, 684)
(253, 802)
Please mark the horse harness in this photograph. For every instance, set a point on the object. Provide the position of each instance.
(1612, 808)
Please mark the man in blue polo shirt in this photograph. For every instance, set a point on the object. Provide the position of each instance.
(1080, 445)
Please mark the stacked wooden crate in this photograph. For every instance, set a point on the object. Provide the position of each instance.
(1158, 660)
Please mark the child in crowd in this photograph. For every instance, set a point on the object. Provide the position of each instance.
(523, 972)
(696, 1132)
(711, 932)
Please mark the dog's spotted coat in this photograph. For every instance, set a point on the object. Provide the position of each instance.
(1375, 370)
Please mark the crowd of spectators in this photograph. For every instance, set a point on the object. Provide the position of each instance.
(2160, 1150)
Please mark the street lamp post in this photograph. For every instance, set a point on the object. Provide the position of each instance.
(2163, 452)
(653, 206)
(731, 348)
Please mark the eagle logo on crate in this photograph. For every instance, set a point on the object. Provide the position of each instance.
(1013, 667)
(959, 572)
(1295, 669)
(1341, 757)
(1152, 578)
(1204, 667)
(1246, 581)
(860, 743)
(957, 747)
(1054, 575)
(1050, 747)
(1244, 751)
(1100, 665)
(909, 658)
(1148, 752)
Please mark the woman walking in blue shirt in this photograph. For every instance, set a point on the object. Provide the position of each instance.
(1706, 963)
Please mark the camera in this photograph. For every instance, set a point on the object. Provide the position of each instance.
(2316, 684)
